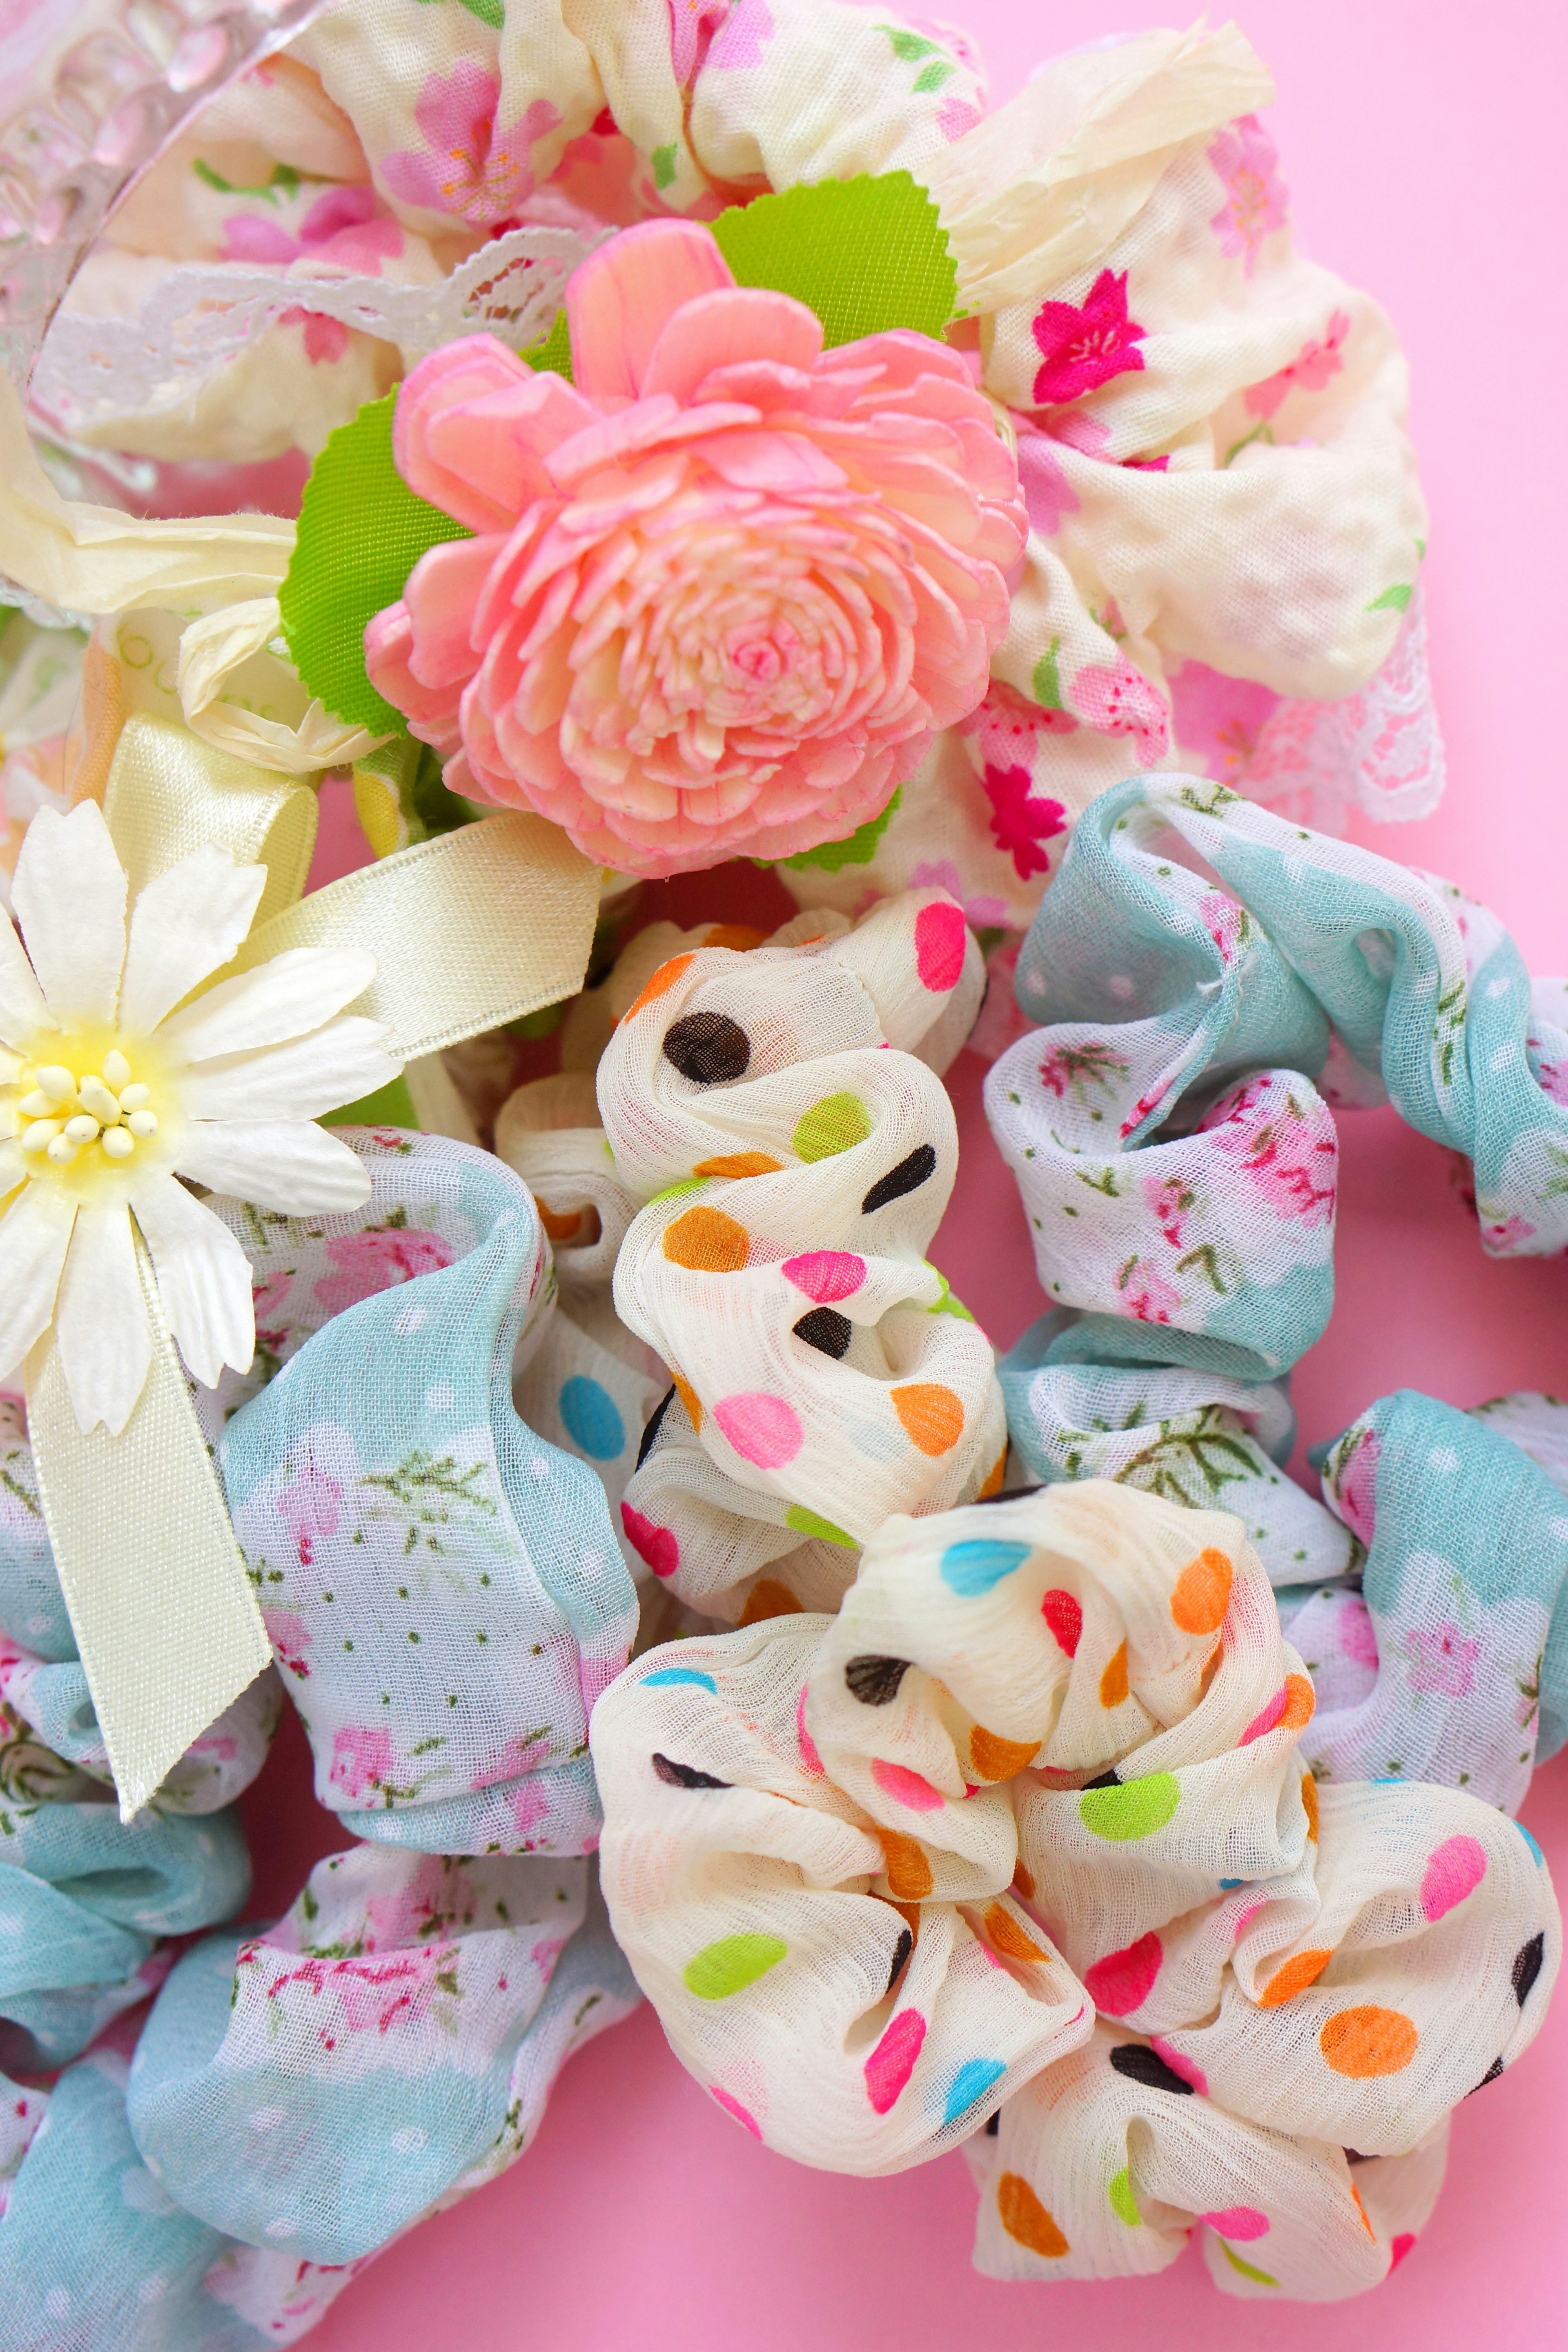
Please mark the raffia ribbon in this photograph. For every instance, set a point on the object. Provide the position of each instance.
(473, 929)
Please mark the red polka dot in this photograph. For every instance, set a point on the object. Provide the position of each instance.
(940, 937)
(1122, 1982)
(826, 1275)
(1062, 1613)
(654, 1545)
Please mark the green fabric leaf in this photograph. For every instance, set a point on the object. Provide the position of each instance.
(857, 849)
(361, 530)
(390, 1106)
(554, 355)
(865, 254)
(663, 159)
(1046, 684)
(905, 44)
(1392, 600)
(932, 77)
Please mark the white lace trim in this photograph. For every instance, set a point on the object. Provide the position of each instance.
(1380, 750)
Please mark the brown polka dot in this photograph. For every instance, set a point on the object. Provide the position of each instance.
(1362, 2042)
(705, 1241)
(994, 1478)
(909, 1870)
(1298, 1972)
(997, 1759)
(739, 1163)
(664, 980)
(1310, 1805)
(1022, 1882)
(1023, 2217)
(1203, 1593)
(559, 1228)
(1113, 1681)
(1301, 1703)
(1004, 1934)
(769, 1597)
(931, 1415)
(741, 937)
(688, 1398)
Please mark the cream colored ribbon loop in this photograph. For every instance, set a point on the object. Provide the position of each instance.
(166, 1619)
(469, 930)
(169, 794)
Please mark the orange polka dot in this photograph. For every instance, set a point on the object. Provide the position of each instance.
(559, 1228)
(739, 1163)
(1113, 1681)
(1362, 2042)
(739, 936)
(1203, 1593)
(664, 980)
(705, 1241)
(1310, 1805)
(909, 1913)
(1004, 1934)
(688, 1398)
(997, 1759)
(1211, 1668)
(769, 1597)
(1300, 1970)
(1022, 1882)
(909, 1870)
(1360, 2209)
(933, 1416)
(1023, 2217)
(1301, 1703)
(994, 1478)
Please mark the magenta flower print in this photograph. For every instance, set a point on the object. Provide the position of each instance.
(1245, 157)
(1021, 823)
(470, 166)
(1081, 348)
(1442, 1660)
(361, 1759)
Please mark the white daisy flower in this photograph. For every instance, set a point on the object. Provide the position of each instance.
(113, 1086)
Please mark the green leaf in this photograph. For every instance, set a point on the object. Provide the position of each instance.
(663, 161)
(1046, 685)
(390, 1106)
(361, 530)
(865, 254)
(1392, 600)
(905, 44)
(857, 849)
(554, 355)
(932, 77)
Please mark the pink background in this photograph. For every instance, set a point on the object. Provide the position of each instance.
(1420, 142)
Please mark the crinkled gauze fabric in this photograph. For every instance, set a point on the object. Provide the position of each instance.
(778, 1113)
(1026, 1828)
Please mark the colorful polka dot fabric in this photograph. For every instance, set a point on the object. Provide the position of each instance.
(779, 1114)
(1026, 1831)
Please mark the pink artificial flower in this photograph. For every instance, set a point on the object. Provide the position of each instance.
(376, 1260)
(1442, 1660)
(1218, 720)
(469, 165)
(1245, 157)
(1022, 822)
(362, 1759)
(725, 588)
(1313, 366)
(308, 1507)
(1084, 346)
(1121, 701)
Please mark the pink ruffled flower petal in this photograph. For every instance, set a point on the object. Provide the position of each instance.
(446, 379)
(619, 300)
(737, 325)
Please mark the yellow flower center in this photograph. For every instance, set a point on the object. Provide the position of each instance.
(82, 1105)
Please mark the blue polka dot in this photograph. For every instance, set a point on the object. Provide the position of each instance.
(667, 1675)
(592, 1421)
(972, 2082)
(972, 1568)
(1536, 1855)
(1227, 1884)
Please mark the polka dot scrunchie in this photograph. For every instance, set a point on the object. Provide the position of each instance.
(1026, 1828)
(778, 1115)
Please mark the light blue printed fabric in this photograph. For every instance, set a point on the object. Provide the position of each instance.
(443, 1588)
(85, 1900)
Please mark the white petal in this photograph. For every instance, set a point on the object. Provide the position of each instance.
(186, 924)
(34, 1233)
(296, 992)
(203, 1278)
(100, 1320)
(22, 1007)
(70, 893)
(337, 1064)
(300, 1170)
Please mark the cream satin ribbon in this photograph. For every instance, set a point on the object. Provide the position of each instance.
(470, 929)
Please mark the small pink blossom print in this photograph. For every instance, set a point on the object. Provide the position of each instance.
(1218, 720)
(1506, 1233)
(1225, 922)
(1313, 368)
(378, 1260)
(1081, 347)
(1121, 701)
(1245, 157)
(530, 1805)
(1551, 1076)
(310, 1507)
(290, 1638)
(1021, 822)
(326, 338)
(980, 913)
(346, 227)
(1354, 1483)
(361, 1759)
(1291, 1157)
(1080, 1068)
(739, 43)
(954, 116)
(1172, 1201)
(1358, 1636)
(1149, 1296)
(1048, 493)
(693, 23)
(470, 166)
(1442, 1660)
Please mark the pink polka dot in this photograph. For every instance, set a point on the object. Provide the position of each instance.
(1456, 1867)
(808, 1755)
(761, 1428)
(1185, 2067)
(657, 1546)
(742, 2114)
(940, 938)
(906, 1788)
(1400, 2248)
(892, 2062)
(1242, 2221)
(1266, 1720)
(1122, 1982)
(826, 1275)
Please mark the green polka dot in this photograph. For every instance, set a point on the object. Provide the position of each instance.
(686, 1184)
(806, 1523)
(1248, 2270)
(731, 1964)
(1124, 2204)
(835, 1124)
(1134, 1811)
